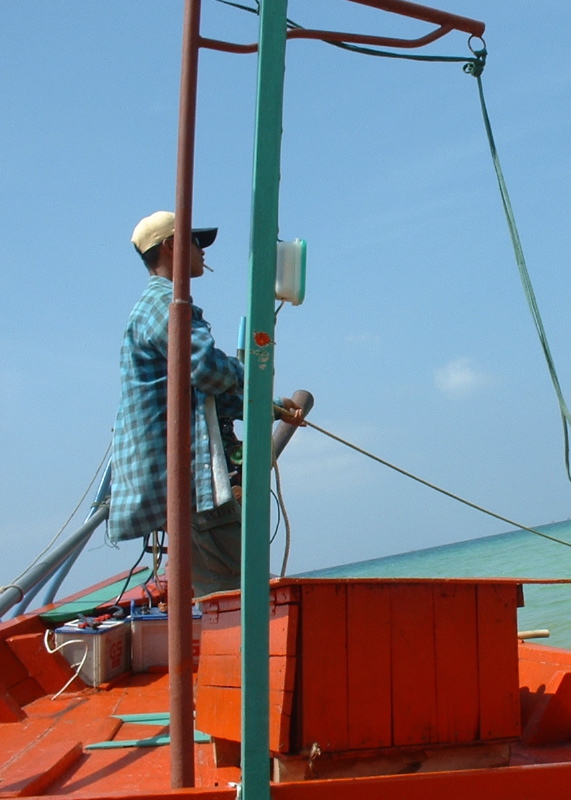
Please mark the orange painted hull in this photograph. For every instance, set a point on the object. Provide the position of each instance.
(43, 740)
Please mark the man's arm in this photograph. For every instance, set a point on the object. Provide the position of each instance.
(212, 371)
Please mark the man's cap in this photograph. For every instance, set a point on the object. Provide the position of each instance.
(159, 226)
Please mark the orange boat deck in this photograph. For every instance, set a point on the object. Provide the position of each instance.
(46, 750)
(44, 740)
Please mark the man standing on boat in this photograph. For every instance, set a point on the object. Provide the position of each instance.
(139, 461)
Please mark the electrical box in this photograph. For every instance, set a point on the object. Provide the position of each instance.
(149, 638)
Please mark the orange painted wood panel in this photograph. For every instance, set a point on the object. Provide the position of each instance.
(280, 591)
(227, 671)
(50, 670)
(285, 594)
(526, 783)
(498, 661)
(12, 671)
(36, 769)
(456, 640)
(322, 698)
(26, 691)
(220, 670)
(415, 717)
(369, 697)
(218, 712)
(550, 723)
(10, 710)
(284, 620)
(281, 705)
(221, 633)
(538, 665)
(19, 738)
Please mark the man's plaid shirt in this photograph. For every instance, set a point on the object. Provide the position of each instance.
(139, 460)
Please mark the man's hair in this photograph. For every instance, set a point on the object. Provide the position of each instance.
(151, 257)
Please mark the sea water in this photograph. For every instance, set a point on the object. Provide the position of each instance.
(517, 554)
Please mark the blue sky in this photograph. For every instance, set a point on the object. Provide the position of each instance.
(414, 337)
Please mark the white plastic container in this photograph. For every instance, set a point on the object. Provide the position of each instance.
(106, 649)
(290, 271)
(149, 639)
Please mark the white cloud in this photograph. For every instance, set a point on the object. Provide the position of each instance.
(460, 378)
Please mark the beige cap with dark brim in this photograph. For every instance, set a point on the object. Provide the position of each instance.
(157, 227)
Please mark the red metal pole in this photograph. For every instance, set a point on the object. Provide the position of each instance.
(447, 22)
(178, 427)
(332, 36)
(417, 11)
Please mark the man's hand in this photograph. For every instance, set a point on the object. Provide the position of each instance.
(290, 412)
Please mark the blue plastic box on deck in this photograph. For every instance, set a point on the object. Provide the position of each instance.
(105, 650)
(149, 638)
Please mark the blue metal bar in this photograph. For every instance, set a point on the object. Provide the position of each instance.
(61, 571)
(14, 593)
(103, 492)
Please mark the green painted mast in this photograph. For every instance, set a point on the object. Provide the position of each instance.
(258, 410)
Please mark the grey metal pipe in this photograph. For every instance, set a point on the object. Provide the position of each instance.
(283, 431)
(15, 592)
(103, 492)
(60, 573)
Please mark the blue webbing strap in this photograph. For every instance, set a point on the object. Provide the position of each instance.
(476, 71)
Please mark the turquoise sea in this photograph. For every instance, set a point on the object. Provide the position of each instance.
(517, 554)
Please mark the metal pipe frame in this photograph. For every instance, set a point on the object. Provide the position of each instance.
(14, 593)
(427, 14)
(447, 22)
(103, 493)
(255, 715)
(179, 507)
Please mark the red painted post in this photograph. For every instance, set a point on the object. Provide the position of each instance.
(417, 11)
(178, 431)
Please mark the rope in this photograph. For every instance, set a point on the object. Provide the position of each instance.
(520, 259)
(433, 486)
(281, 505)
(13, 586)
(79, 665)
(473, 66)
(279, 513)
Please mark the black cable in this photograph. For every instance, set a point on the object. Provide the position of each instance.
(132, 570)
(279, 516)
(161, 545)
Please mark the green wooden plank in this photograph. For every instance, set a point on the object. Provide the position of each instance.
(91, 602)
(151, 741)
(159, 718)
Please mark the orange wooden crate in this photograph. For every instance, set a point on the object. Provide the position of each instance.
(361, 664)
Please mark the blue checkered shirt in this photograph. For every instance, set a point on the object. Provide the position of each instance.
(139, 456)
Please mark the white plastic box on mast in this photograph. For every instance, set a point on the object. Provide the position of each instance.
(290, 271)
